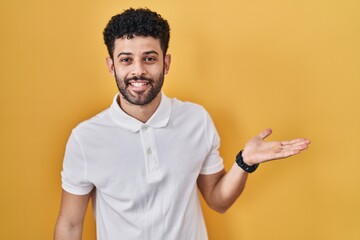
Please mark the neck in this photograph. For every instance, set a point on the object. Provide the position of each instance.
(142, 113)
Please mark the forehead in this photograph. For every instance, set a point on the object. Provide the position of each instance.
(137, 45)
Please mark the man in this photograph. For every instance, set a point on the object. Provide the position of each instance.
(143, 159)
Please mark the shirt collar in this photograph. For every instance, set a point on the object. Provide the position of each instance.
(159, 119)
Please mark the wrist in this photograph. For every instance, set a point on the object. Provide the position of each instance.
(247, 167)
(247, 158)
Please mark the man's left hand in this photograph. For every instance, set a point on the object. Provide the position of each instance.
(258, 151)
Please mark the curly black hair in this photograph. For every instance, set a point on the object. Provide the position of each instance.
(137, 22)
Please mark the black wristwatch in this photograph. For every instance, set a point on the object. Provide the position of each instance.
(240, 162)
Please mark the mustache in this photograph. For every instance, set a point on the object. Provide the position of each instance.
(135, 78)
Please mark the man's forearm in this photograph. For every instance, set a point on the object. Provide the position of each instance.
(228, 189)
(65, 231)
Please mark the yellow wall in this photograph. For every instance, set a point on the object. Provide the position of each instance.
(290, 65)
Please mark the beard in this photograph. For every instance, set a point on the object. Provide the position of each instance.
(143, 97)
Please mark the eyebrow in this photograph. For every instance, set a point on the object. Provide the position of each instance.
(150, 52)
(145, 53)
(124, 53)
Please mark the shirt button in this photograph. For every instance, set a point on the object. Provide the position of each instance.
(144, 127)
(149, 151)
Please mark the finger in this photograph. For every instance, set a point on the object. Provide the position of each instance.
(264, 134)
(285, 154)
(297, 145)
(294, 148)
(295, 141)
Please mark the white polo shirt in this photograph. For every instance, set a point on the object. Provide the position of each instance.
(144, 174)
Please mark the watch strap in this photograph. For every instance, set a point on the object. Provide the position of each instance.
(240, 162)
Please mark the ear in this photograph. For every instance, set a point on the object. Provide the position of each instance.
(167, 61)
(110, 65)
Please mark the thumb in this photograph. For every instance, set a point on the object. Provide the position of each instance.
(264, 134)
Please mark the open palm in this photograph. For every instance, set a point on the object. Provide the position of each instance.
(258, 151)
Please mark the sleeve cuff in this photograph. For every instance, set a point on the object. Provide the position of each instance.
(76, 190)
(213, 169)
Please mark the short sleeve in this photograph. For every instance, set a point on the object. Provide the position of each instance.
(213, 162)
(74, 169)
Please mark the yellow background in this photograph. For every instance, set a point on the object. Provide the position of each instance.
(290, 65)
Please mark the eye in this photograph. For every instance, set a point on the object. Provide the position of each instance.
(125, 60)
(149, 59)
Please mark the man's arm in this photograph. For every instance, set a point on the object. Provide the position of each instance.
(71, 217)
(220, 190)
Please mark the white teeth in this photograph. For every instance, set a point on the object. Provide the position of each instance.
(138, 84)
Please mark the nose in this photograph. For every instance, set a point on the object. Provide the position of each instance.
(139, 69)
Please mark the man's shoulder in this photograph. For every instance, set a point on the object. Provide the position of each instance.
(100, 119)
(187, 105)
(188, 109)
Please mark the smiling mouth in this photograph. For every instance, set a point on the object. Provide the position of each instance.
(138, 84)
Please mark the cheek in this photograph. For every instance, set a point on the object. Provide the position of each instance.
(156, 69)
(120, 73)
